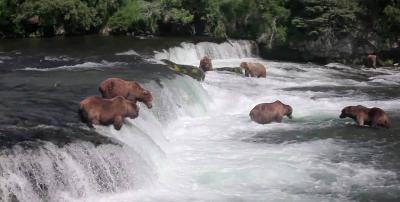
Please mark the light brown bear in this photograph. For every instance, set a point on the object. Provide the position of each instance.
(373, 117)
(270, 112)
(254, 69)
(100, 111)
(131, 90)
(206, 64)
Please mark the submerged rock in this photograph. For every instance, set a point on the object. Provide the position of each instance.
(236, 70)
(189, 70)
(28, 135)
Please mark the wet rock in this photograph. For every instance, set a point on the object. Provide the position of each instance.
(236, 70)
(28, 135)
(105, 31)
(189, 70)
(60, 31)
(328, 48)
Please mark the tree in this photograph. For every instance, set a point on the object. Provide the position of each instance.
(334, 18)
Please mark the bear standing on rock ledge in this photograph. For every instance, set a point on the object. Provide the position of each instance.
(373, 117)
(100, 111)
(206, 64)
(131, 90)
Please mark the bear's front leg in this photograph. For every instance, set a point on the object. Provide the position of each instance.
(118, 121)
(360, 121)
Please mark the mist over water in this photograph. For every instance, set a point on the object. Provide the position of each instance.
(197, 143)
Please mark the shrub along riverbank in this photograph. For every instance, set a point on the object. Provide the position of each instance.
(305, 30)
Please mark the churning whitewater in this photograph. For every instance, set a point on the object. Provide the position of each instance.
(213, 152)
(198, 143)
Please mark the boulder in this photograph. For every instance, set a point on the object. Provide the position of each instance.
(189, 70)
(236, 70)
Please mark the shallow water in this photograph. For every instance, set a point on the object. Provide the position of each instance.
(197, 143)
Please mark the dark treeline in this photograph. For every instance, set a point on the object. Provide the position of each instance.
(315, 29)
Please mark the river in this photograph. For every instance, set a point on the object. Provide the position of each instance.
(197, 143)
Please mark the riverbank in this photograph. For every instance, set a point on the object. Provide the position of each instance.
(281, 53)
(306, 31)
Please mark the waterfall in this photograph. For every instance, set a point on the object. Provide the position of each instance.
(46, 171)
(186, 53)
(50, 173)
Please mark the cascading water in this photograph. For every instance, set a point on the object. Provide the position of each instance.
(43, 171)
(222, 156)
(50, 173)
(198, 144)
(188, 53)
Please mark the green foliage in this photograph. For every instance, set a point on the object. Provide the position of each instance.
(392, 22)
(75, 16)
(312, 18)
(388, 62)
(271, 22)
(174, 11)
(135, 15)
(7, 26)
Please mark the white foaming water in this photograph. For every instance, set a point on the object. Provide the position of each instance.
(146, 134)
(78, 67)
(129, 52)
(5, 58)
(2, 58)
(51, 173)
(188, 53)
(207, 155)
(62, 58)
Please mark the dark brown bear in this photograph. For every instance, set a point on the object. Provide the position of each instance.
(205, 64)
(373, 117)
(371, 60)
(100, 111)
(254, 69)
(131, 90)
(270, 112)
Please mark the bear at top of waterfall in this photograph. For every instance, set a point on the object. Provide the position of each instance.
(206, 64)
(131, 90)
(270, 112)
(373, 117)
(254, 69)
(100, 111)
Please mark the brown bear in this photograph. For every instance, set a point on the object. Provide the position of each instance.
(205, 64)
(254, 69)
(100, 111)
(131, 90)
(373, 117)
(270, 112)
(371, 60)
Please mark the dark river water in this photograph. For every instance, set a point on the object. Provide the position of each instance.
(197, 143)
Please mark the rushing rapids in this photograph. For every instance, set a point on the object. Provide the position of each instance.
(197, 143)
